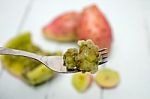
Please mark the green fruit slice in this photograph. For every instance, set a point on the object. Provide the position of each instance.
(107, 78)
(81, 81)
(24, 68)
(39, 75)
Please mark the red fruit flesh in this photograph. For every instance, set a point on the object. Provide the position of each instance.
(63, 28)
(93, 25)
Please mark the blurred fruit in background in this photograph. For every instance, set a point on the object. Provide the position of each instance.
(29, 70)
(63, 27)
(93, 25)
(89, 24)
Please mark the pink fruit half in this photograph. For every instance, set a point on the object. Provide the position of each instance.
(93, 25)
(63, 28)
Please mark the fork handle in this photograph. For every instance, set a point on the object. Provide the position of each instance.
(8, 51)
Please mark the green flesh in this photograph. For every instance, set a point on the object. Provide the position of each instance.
(25, 68)
(81, 81)
(85, 60)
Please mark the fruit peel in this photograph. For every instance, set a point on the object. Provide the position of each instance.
(62, 28)
(94, 25)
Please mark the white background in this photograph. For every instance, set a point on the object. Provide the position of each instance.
(130, 21)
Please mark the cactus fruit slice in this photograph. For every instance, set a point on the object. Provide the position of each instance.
(29, 70)
(81, 81)
(107, 78)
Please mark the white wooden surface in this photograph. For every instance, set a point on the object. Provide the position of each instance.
(130, 20)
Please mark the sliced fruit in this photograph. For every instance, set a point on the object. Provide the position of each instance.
(63, 28)
(16, 69)
(25, 68)
(93, 25)
(13, 63)
(107, 78)
(81, 81)
(38, 75)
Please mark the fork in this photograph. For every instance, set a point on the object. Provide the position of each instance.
(53, 62)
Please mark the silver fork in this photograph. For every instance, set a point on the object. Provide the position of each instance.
(53, 62)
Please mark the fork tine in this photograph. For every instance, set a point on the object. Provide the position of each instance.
(103, 49)
(104, 57)
(105, 53)
(100, 63)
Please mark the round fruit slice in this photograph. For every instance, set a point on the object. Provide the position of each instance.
(107, 78)
(81, 81)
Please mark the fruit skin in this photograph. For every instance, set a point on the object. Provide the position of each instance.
(107, 78)
(81, 81)
(63, 28)
(93, 25)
